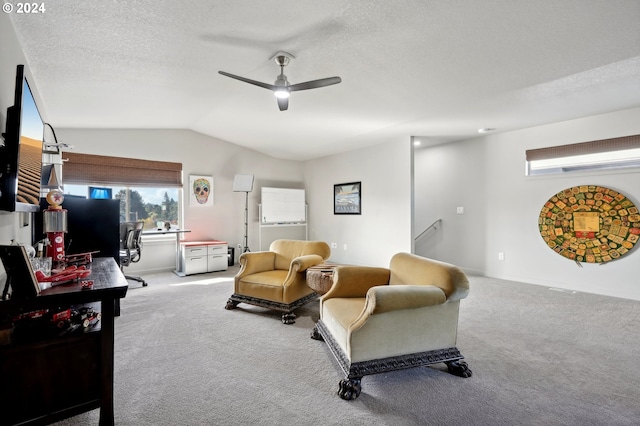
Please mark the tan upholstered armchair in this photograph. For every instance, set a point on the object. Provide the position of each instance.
(376, 320)
(276, 279)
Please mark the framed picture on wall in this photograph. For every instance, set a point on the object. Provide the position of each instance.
(347, 198)
(200, 190)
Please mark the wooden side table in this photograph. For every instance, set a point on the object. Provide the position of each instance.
(320, 277)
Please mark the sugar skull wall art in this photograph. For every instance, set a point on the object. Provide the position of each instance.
(201, 190)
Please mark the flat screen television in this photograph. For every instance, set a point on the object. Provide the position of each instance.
(21, 153)
(98, 193)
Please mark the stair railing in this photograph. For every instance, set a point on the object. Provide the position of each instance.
(435, 225)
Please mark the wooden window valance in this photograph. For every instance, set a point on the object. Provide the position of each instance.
(593, 147)
(119, 171)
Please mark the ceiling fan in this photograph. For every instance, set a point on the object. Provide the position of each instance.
(281, 88)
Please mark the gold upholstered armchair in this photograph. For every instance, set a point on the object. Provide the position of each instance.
(276, 279)
(376, 320)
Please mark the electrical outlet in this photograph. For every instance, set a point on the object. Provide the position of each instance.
(500, 256)
(239, 246)
(334, 245)
(460, 210)
(345, 246)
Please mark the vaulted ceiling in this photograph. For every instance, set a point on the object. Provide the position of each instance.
(434, 68)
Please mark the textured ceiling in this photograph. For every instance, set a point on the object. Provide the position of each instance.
(434, 68)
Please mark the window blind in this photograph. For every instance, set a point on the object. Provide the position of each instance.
(119, 171)
(592, 147)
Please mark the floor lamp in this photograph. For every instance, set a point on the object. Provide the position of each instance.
(244, 183)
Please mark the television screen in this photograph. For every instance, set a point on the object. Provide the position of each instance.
(99, 193)
(21, 154)
(30, 151)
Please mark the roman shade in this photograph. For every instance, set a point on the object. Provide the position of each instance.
(101, 169)
(592, 147)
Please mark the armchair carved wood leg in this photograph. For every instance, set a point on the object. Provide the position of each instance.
(350, 388)
(458, 368)
(288, 318)
(231, 304)
(315, 334)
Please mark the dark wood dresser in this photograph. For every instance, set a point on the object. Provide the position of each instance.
(47, 378)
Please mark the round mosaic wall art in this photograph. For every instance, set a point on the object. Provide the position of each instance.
(590, 224)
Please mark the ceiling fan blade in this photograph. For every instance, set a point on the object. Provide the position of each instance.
(314, 84)
(283, 103)
(247, 80)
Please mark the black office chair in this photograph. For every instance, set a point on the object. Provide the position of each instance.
(131, 247)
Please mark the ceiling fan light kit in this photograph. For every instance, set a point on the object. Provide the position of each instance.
(281, 87)
(282, 93)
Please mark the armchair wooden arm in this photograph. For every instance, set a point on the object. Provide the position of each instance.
(301, 264)
(389, 298)
(411, 269)
(355, 281)
(252, 263)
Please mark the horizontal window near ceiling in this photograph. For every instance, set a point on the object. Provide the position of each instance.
(616, 153)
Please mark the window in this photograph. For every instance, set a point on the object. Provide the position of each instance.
(616, 153)
(150, 191)
(153, 205)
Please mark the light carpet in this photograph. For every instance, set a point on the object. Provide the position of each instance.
(538, 356)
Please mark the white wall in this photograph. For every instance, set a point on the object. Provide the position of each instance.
(486, 177)
(201, 155)
(449, 176)
(384, 227)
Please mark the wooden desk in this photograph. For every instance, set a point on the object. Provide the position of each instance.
(49, 379)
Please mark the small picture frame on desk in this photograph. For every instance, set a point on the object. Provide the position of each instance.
(20, 275)
(347, 198)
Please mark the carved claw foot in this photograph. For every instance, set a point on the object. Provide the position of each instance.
(458, 368)
(315, 334)
(349, 389)
(288, 318)
(231, 304)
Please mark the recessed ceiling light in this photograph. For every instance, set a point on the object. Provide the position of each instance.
(486, 130)
(416, 143)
